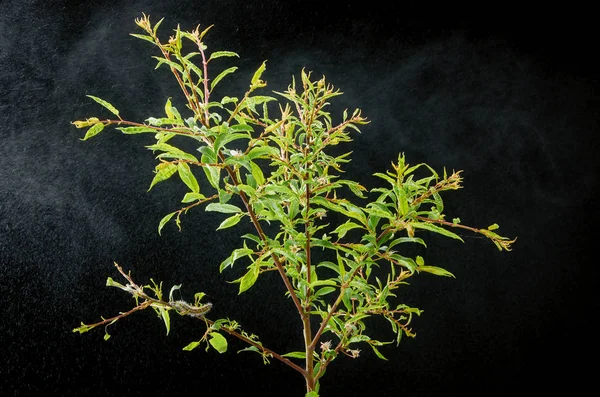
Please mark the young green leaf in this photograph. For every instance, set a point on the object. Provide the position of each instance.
(301, 355)
(377, 353)
(438, 271)
(172, 64)
(107, 105)
(224, 208)
(256, 82)
(257, 174)
(163, 172)
(248, 279)
(224, 73)
(218, 342)
(191, 346)
(164, 221)
(435, 229)
(219, 54)
(135, 130)
(231, 221)
(93, 131)
(143, 37)
(164, 313)
(189, 197)
(168, 110)
(186, 175)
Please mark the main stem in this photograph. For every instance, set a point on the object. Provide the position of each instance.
(308, 342)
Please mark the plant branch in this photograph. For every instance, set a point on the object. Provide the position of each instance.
(259, 346)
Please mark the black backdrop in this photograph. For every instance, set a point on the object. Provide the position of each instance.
(513, 102)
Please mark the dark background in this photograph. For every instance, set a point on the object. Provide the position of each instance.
(513, 101)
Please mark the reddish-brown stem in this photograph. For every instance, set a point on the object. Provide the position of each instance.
(260, 347)
(205, 82)
(446, 223)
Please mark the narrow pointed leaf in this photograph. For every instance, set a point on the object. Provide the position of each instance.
(93, 131)
(221, 75)
(107, 105)
(186, 175)
(438, 271)
(135, 130)
(219, 54)
(143, 37)
(191, 346)
(224, 208)
(166, 319)
(256, 77)
(164, 221)
(435, 229)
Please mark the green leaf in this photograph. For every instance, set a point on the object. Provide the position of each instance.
(344, 228)
(220, 76)
(226, 137)
(191, 346)
(168, 62)
(218, 342)
(263, 152)
(493, 227)
(189, 197)
(219, 54)
(172, 152)
(256, 77)
(164, 221)
(107, 105)
(301, 355)
(135, 130)
(164, 313)
(231, 221)
(93, 131)
(168, 110)
(224, 208)
(163, 172)
(377, 353)
(235, 255)
(106, 336)
(248, 279)
(213, 174)
(143, 37)
(324, 291)
(435, 229)
(157, 25)
(312, 394)
(438, 271)
(186, 175)
(257, 174)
